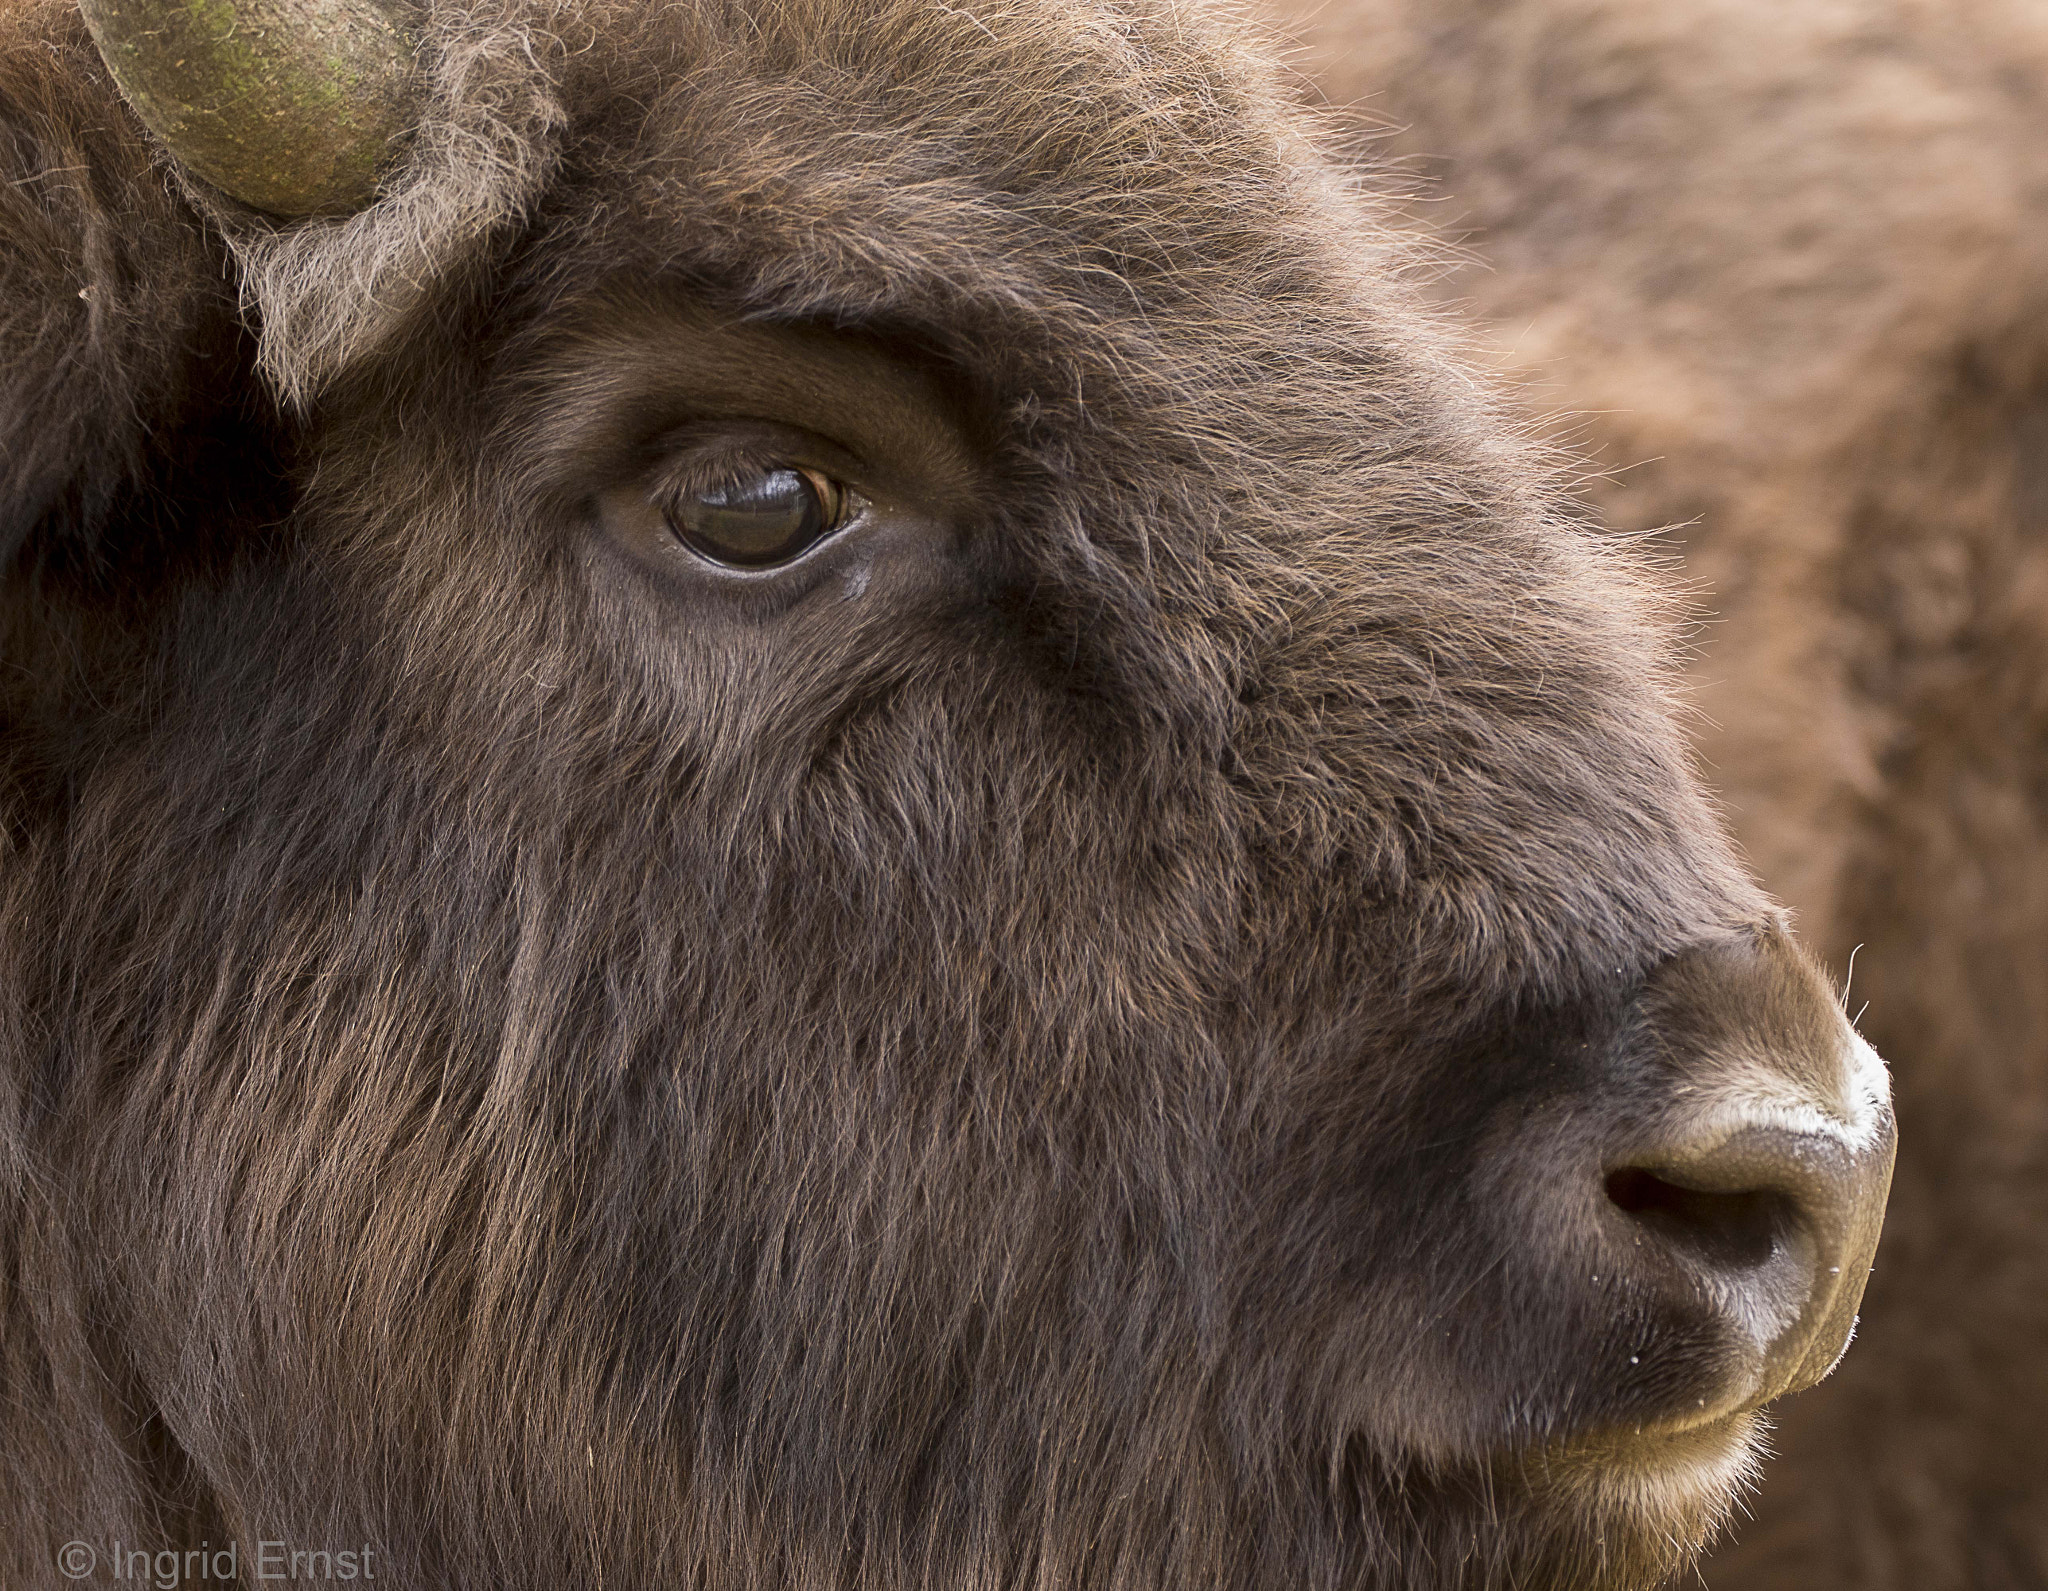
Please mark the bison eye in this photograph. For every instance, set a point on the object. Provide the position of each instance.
(758, 518)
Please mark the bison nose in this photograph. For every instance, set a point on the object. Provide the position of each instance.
(1767, 1211)
(1735, 1168)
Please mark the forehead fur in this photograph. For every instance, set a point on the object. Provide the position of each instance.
(1067, 161)
(1062, 159)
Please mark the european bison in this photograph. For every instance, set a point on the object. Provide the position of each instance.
(1791, 264)
(796, 796)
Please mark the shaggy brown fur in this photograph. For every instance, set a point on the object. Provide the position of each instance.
(1005, 1056)
(1792, 264)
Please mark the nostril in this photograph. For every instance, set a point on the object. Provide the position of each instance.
(1730, 1231)
(1764, 1225)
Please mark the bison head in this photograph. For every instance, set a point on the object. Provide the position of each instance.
(834, 815)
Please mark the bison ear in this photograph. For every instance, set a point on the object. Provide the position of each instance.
(294, 107)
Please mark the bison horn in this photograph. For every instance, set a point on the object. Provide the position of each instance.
(288, 105)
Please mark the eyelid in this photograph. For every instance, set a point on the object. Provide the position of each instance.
(670, 490)
(702, 452)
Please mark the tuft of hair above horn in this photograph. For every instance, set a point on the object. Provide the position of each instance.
(294, 107)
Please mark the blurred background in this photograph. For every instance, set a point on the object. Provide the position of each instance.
(1779, 268)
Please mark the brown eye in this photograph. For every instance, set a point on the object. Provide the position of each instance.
(760, 518)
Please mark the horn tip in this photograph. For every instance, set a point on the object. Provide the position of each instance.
(290, 106)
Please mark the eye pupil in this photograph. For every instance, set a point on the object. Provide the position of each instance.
(761, 518)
